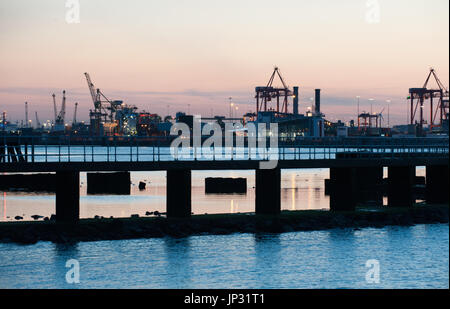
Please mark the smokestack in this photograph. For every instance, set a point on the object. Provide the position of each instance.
(295, 100)
(317, 105)
(26, 114)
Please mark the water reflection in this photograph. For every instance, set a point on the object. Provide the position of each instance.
(343, 256)
(268, 257)
(178, 262)
(300, 189)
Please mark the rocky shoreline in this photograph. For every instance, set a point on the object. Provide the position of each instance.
(287, 221)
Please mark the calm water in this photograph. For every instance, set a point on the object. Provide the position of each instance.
(300, 189)
(409, 257)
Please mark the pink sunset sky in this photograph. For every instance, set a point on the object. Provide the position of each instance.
(175, 55)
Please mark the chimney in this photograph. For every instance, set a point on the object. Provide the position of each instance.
(317, 105)
(295, 101)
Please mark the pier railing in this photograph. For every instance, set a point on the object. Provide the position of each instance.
(34, 150)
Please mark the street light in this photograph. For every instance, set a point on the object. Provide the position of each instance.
(371, 103)
(231, 105)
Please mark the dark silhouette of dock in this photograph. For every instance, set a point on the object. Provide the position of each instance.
(351, 164)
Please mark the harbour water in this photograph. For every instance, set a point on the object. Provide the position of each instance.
(408, 257)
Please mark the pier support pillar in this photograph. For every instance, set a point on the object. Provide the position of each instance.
(400, 186)
(369, 180)
(343, 195)
(67, 197)
(268, 192)
(178, 195)
(437, 184)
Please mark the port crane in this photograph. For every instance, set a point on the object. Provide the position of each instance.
(74, 121)
(54, 107)
(419, 96)
(59, 123)
(103, 107)
(267, 93)
(62, 113)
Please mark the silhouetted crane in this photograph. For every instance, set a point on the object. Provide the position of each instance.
(74, 121)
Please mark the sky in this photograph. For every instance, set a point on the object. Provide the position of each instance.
(192, 55)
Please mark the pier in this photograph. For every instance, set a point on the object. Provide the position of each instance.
(354, 166)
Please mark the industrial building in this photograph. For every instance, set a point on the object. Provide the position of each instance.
(290, 125)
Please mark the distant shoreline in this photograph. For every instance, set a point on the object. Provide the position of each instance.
(154, 227)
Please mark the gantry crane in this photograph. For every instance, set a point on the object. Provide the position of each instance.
(267, 93)
(418, 98)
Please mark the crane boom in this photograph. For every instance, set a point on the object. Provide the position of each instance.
(62, 113)
(74, 121)
(54, 107)
(63, 107)
(94, 93)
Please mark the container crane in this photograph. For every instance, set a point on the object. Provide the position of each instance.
(418, 97)
(267, 93)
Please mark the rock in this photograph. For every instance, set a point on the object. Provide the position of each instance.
(46, 219)
(157, 213)
(135, 216)
(148, 213)
(96, 217)
(36, 217)
(18, 218)
(142, 185)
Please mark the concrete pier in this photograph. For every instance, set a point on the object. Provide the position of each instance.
(369, 181)
(436, 191)
(67, 197)
(179, 204)
(400, 186)
(343, 195)
(268, 192)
